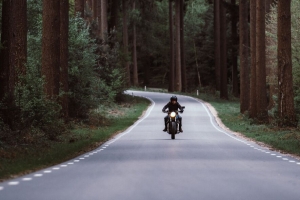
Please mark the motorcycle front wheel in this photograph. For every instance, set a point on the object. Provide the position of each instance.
(173, 130)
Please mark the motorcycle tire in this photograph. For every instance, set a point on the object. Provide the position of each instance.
(173, 130)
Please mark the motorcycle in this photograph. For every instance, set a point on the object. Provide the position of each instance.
(173, 123)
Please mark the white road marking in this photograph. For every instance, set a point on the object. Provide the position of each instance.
(14, 183)
(56, 168)
(285, 159)
(279, 156)
(27, 179)
(81, 158)
(70, 163)
(1, 188)
(292, 161)
(64, 165)
(76, 160)
(47, 171)
(38, 175)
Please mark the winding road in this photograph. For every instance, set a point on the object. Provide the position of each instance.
(143, 163)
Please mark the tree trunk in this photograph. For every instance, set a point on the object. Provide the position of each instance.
(253, 106)
(286, 110)
(113, 23)
(104, 19)
(235, 43)
(13, 55)
(135, 67)
(271, 70)
(14, 38)
(4, 56)
(217, 42)
(244, 54)
(19, 40)
(172, 63)
(99, 22)
(64, 52)
(182, 52)
(50, 47)
(223, 47)
(261, 87)
(79, 7)
(178, 86)
(125, 42)
(88, 12)
(95, 10)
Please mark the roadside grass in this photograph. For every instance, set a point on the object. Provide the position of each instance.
(83, 137)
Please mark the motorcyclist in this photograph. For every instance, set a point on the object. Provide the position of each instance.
(173, 105)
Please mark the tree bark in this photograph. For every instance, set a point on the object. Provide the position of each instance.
(178, 85)
(172, 63)
(182, 51)
(135, 67)
(4, 56)
(286, 108)
(19, 39)
(271, 71)
(64, 55)
(217, 42)
(223, 47)
(235, 44)
(253, 105)
(261, 87)
(125, 42)
(95, 9)
(244, 54)
(14, 39)
(50, 47)
(99, 22)
(113, 23)
(104, 19)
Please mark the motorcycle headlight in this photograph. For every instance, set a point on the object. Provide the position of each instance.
(173, 114)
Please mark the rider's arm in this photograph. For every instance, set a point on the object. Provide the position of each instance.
(179, 106)
(165, 107)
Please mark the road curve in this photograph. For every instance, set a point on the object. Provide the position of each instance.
(204, 162)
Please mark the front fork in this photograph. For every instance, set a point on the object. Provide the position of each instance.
(169, 119)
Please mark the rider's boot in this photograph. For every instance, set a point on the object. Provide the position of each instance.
(180, 129)
(165, 120)
(165, 129)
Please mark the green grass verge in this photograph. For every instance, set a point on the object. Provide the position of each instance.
(81, 139)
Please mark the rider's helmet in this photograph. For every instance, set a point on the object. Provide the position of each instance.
(173, 98)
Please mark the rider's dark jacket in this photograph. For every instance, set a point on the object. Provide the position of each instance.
(172, 107)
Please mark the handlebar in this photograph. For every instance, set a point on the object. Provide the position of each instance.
(181, 111)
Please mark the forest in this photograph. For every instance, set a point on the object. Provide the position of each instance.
(60, 59)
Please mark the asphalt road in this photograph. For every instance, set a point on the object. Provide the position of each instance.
(204, 162)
